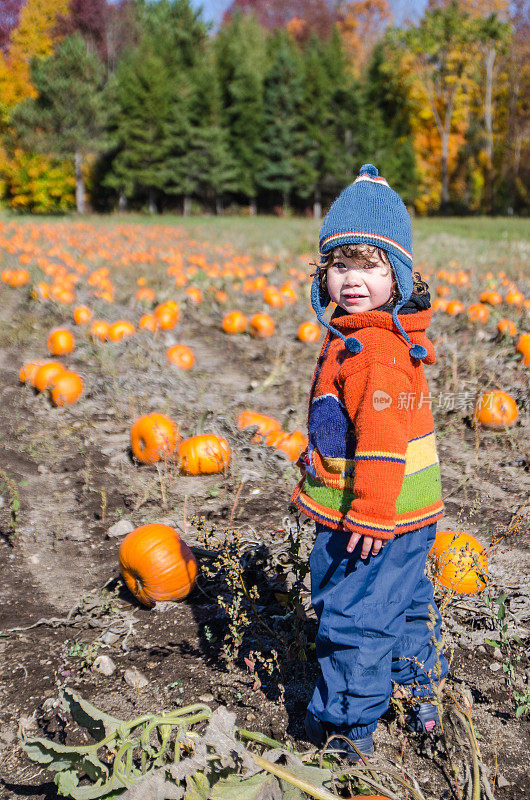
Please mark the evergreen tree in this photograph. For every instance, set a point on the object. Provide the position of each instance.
(173, 30)
(241, 57)
(283, 88)
(208, 162)
(69, 115)
(328, 120)
(387, 139)
(139, 126)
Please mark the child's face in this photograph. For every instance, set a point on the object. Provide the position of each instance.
(357, 286)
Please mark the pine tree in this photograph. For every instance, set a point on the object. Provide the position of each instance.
(69, 115)
(209, 163)
(241, 59)
(386, 111)
(144, 100)
(282, 98)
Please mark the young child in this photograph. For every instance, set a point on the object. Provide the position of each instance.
(370, 474)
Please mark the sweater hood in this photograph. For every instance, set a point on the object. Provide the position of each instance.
(414, 324)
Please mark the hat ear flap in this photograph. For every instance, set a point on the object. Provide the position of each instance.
(403, 275)
(320, 298)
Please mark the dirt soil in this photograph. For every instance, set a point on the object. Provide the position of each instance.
(75, 478)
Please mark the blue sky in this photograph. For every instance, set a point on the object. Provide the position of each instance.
(213, 9)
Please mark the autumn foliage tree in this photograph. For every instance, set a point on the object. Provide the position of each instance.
(304, 15)
(362, 24)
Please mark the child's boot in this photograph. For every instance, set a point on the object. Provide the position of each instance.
(423, 718)
(317, 732)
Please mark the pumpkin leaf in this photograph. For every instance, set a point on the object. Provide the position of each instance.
(98, 723)
(197, 787)
(260, 787)
(60, 757)
(67, 784)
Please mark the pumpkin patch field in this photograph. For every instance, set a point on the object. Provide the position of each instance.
(154, 379)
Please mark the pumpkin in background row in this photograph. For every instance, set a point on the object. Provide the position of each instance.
(523, 346)
(45, 374)
(261, 326)
(204, 454)
(309, 332)
(496, 410)
(147, 322)
(181, 355)
(60, 342)
(154, 437)
(234, 322)
(492, 297)
(507, 327)
(157, 565)
(28, 370)
(100, 330)
(66, 388)
(82, 315)
(120, 330)
(478, 312)
(460, 563)
(264, 424)
(291, 444)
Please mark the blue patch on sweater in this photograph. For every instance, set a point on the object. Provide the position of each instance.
(330, 428)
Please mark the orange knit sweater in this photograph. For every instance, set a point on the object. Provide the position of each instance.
(371, 466)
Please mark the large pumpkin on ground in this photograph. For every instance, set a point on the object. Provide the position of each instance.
(496, 410)
(157, 565)
(204, 454)
(460, 563)
(264, 423)
(60, 342)
(154, 437)
(66, 388)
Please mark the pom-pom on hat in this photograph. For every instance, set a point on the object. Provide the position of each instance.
(368, 211)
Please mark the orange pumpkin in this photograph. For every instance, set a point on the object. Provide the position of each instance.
(234, 322)
(496, 410)
(514, 298)
(460, 563)
(156, 564)
(455, 307)
(440, 304)
(82, 315)
(45, 375)
(147, 322)
(100, 330)
(221, 296)
(167, 314)
(154, 437)
(507, 327)
(120, 330)
(291, 444)
(60, 342)
(264, 424)
(478, 312)
(194, 294)
(204, 454)
(181, 355)
(261, 326)
(523, 346)
(308, 332)
(28, 370)
(273, 297)
(442, 291)
(66, 388)
(145, 295)
(492, 297)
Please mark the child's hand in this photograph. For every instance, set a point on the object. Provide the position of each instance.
(369, 543)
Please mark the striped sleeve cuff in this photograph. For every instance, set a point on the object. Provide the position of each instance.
(376, 528)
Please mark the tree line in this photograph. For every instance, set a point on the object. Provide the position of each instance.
(138, 105)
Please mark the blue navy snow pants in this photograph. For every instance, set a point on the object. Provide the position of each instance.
(373, 627)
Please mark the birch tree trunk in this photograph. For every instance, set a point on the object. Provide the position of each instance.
(80, 199)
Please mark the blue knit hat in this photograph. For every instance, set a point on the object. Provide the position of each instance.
(369, 212)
